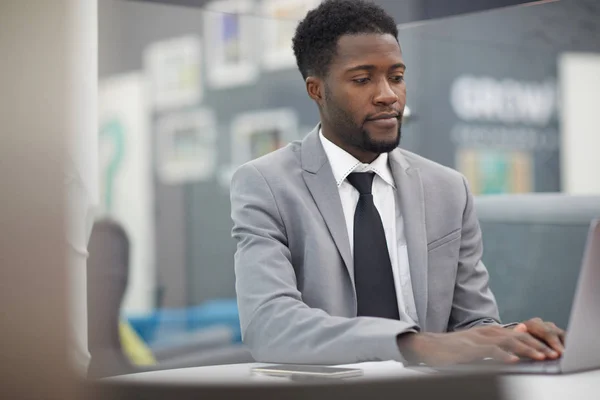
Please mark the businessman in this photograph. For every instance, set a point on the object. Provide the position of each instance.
(351, 249)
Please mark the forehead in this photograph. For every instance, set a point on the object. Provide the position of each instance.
(366, 49)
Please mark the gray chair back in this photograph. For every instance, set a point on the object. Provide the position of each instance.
(107, 276)
(533, 248)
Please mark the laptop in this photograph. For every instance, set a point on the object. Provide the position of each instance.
(582, 347)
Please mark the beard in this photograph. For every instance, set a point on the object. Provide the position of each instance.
(356, 135)
(379, 146)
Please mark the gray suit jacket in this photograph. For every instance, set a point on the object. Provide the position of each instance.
(294, 268)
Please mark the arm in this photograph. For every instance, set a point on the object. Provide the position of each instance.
(276, 324)
(474, 304)
(474, 307)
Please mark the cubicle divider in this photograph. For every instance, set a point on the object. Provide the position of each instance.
(533, 248)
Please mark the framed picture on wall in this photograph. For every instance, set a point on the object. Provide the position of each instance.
(491, 171)
(230, 32)
(257, 133)
(281, 19)
(173, 69)
(186, 146)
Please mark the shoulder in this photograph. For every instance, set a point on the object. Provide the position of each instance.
(435, 176)
(273, 166)
(429, 167)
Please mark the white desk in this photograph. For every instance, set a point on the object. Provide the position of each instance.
(582, 386)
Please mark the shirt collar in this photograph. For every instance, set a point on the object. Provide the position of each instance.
(343, 163)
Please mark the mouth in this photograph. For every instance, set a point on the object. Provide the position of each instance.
(384, 121)
(384, 116)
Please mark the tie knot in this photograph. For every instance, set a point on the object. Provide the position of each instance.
(362, 181)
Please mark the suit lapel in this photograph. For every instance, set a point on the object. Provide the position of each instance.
(412, 205)
(320, 181)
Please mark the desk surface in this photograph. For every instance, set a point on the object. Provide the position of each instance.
(582, 386)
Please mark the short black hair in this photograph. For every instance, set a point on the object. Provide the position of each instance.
(317, 34)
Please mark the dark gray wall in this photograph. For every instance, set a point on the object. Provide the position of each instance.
(521, 43)
(194, 248)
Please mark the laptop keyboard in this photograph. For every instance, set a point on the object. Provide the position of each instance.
(526, 366)
(539, 366)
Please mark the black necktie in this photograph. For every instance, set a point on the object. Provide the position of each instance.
(373, 277)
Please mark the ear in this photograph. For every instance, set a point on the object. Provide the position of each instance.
(315, 89)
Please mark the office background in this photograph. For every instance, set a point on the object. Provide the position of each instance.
(40, 92)
(187, 94)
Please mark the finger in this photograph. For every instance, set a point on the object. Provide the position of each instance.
(521, 349)
(561, 332)
(500, 355)
(522, 328)
(556, 343)
(547, 333)
(537, 344)
(493, 352)
(563, 336)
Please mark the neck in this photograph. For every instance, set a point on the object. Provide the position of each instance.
(365, 157)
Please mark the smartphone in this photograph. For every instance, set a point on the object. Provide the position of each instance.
(297, 371)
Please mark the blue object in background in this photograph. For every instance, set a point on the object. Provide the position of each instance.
(165, 322)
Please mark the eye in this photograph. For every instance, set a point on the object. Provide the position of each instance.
(397, 78)
(361, 81)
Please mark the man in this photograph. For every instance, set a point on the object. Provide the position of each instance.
(351, 249)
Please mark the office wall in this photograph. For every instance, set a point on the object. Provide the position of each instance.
(495, 95)
(125, 30)
(126, 179)
(580, 88)
(511, 133)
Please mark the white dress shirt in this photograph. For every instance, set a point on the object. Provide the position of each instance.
(387, 204)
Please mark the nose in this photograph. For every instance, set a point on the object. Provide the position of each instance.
(385, 95)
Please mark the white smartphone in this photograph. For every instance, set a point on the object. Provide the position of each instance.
(297, 371)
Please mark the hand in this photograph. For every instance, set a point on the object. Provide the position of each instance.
(546, 332)
(475, 344)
